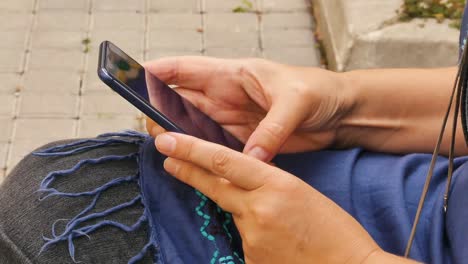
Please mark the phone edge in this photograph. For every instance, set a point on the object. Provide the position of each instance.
(129, 96)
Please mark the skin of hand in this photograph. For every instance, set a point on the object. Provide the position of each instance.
(270, 107)
(280, 218)
(278, 108)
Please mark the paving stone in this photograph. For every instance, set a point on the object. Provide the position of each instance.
(58, 39)
(356, 35)
(177, 21)
(285, 5)
(6, 125)
(65, 20)
(405, 45)
(95, 126)
(43, 128)
(58, 82)
(7, 105)
(211, 6)
(48, 105)
(9, 83)
(22, 148)
(13, 39)
(158, 53)
(231, 39)
(239, 31)
(307, 56)
(11, 60)
(235, 22)
(288, 38)
(233, 52)
(119, 5)
(124, 39)
(121, 20)
(189, 40)
(64, 4)
(92, 84)
(15, 21)
(50, 59)
(17, 5)
(106, 105)
(287, 20)
(176, 6)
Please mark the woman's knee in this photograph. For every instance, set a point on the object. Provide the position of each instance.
(75, 179)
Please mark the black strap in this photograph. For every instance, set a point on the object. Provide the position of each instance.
(460, 82)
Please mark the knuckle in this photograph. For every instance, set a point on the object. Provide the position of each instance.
(183, 172)
(172, 73)
(274, 131)
(250, 242)
(263, 214)
(213, 192)
(246, 67)
(243, 68)
(221, 162)
(187, 150)
(175, 72)
(217, 192)
(300, 90)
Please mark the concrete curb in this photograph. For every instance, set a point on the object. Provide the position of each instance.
(363, 34)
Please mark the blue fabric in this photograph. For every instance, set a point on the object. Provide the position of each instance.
(381, 191)
(189, 227)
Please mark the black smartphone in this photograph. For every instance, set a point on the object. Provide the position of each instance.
(167, 108)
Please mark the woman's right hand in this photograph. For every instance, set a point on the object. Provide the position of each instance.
(272, 108)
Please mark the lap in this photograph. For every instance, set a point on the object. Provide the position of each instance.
(377, 189)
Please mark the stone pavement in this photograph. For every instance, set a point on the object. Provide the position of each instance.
(49, 89)
(378, 40)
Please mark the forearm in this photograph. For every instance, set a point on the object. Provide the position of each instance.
(398, 110)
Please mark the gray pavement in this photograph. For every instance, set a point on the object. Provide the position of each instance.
(49, 89)
(363, 34)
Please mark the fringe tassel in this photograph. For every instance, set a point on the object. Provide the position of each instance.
(72, 229)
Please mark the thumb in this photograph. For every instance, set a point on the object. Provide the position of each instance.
(273, 131)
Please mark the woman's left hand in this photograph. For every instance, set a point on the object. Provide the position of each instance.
(280, 218)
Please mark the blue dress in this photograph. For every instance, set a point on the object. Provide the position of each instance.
(380, 190)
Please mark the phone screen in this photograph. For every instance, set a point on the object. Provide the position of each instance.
(167, 101)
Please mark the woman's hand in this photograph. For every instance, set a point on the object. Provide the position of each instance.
(271, 107)
(280, 218)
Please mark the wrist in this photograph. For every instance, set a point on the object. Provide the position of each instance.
(350, 93)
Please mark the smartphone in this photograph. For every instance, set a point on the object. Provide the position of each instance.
(156, 99)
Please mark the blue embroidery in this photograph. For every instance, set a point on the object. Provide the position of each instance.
(207, 220)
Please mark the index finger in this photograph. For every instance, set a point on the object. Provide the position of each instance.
(239, 169)
(187, 71)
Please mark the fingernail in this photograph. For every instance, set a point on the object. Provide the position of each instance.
(171, 166)
(259, 153)
(165, 143)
